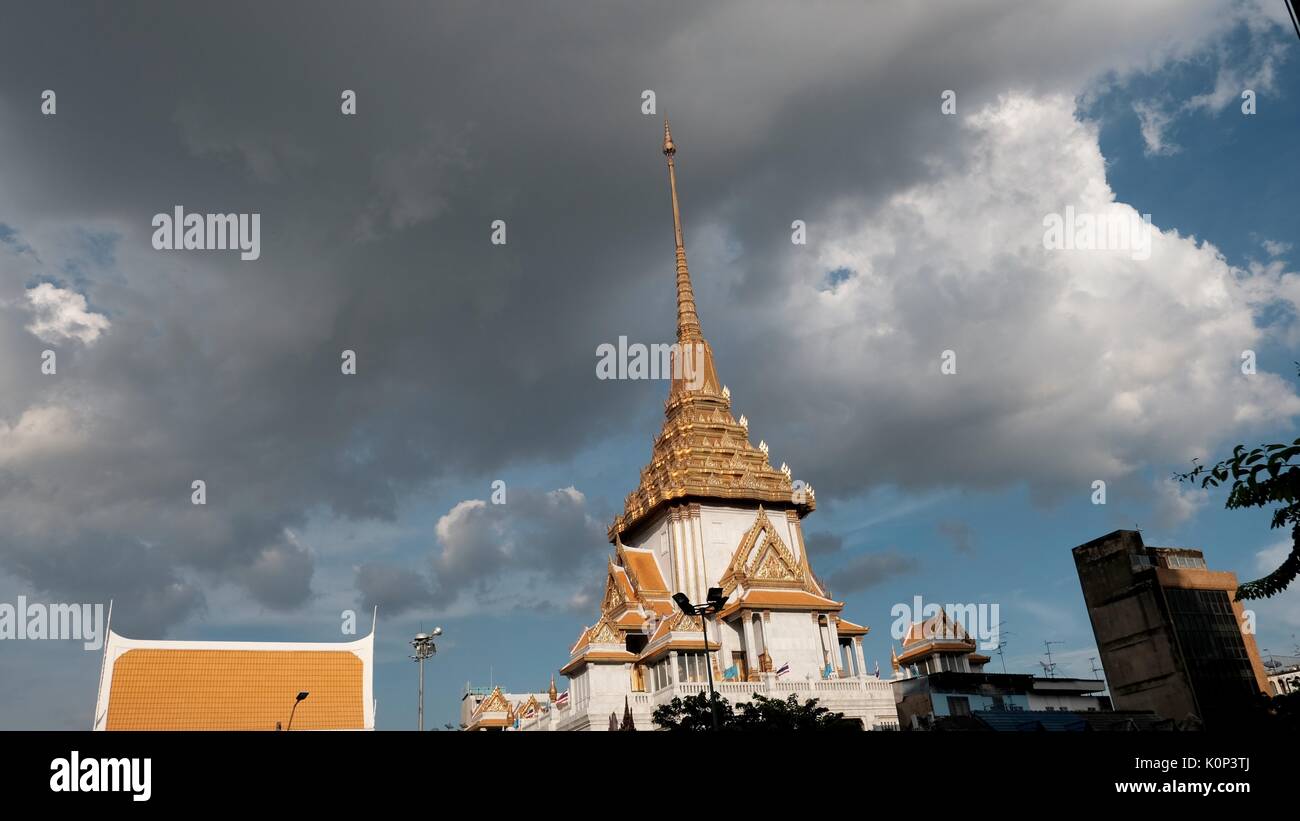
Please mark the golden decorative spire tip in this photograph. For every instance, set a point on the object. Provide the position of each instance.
(688, 321)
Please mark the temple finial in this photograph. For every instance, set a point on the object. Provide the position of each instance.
(688, 321)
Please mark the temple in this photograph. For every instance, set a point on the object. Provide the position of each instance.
(709, 511)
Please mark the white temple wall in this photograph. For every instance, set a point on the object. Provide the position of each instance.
(693, 553)
(795, 638)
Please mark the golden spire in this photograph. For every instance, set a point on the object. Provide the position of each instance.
(552, 693)
(702, 452)
(688, 321)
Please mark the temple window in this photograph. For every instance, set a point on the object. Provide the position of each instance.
(660, 674)
(691, 667)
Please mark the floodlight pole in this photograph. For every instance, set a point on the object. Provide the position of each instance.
(424, 649)
(708, 665)
(712, 605)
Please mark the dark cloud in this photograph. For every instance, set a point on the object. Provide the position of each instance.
(823, 543)
(280, 576)
(394, 589)
(538, 547)
(869, 570)
(958, 534)
(472, 358)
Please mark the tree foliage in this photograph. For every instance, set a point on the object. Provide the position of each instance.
(692, 713)
(1261, 477)
(762, 713)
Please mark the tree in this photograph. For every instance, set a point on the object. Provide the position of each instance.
(1261, 477)
(774, 714)
(692, 713)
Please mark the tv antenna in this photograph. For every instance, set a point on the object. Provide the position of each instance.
(1002, 634)
(1049, 666)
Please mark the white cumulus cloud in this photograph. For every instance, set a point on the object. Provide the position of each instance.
(60, 314)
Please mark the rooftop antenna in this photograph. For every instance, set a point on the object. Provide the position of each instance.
(1050, 666)
(1095, 669)
(1002, 634)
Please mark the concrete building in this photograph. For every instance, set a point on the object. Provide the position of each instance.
(940, 675)
(1168, 630)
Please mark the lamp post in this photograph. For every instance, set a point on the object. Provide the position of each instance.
(297, 700)
(714, 602)
(424, 649)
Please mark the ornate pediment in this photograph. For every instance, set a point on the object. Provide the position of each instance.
(614, 597)
(495, 703)
(528, 708)
(605, 632)
(764, 560)
(686, 624)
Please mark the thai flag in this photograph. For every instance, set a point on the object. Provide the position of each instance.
(563, 700)
(783, 669)
(877, 668)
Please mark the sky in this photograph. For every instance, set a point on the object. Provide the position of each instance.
(476, 362)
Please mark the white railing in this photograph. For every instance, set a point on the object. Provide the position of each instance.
(744, 690)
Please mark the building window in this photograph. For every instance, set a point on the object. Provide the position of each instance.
(958, 705)
(690, 668)
(660, 675)
(1212, 646)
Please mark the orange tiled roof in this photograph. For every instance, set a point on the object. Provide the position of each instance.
(235, 690)
(780, 600)
(616, 656)
(645, 569)
(653, 652)
(921, 651)
(176, 685)
(847, 628)
(938, 626)
(631, 620)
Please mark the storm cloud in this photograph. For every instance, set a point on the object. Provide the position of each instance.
(475, 358)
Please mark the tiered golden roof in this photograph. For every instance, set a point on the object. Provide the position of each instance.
(702, 451)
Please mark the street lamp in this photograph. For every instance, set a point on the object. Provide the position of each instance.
(300, 697)
(424, 648)
(714, 602)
